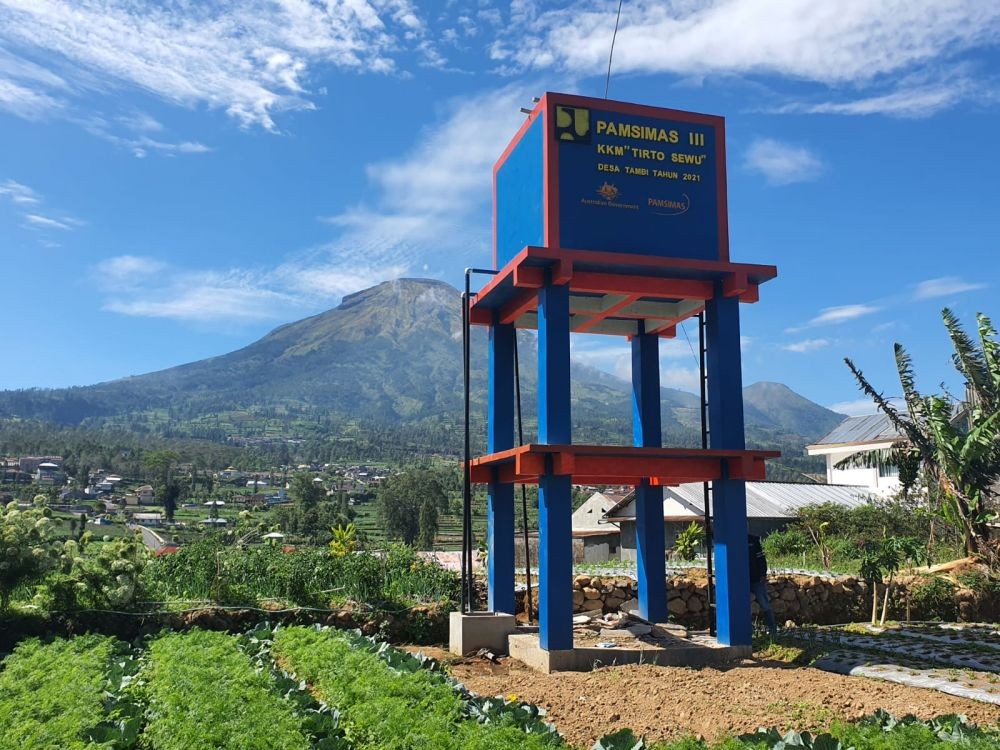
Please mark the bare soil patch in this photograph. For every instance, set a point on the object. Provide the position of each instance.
(666, 703)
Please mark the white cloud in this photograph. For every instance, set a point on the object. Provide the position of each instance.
(234, 297)
(26, 102)
(38, 221)
(842, 314)
(916, 102)
(127, 269)
(856, 408)
(17, 193)
(426, 212)
(782, 163)
(806, 345)
(615, 358)
(684, 378)
(27, 202)
(251, 59)
(944, 287)
(847, 41)
(140, 145)
(862, 407)
(426, 199)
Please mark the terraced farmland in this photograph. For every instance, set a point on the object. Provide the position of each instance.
(316, 688)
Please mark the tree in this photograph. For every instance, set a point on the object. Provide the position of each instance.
(884, 558)
(26, 551)
(822, 521)
(160, 462)
(401, 499)
(167, 495)
(305, 492)
(428, 523)
(957, 445)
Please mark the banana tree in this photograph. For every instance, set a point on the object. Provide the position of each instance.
(957, 449)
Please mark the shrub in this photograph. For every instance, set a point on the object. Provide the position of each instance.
(689, 540)
(104, 576)
(788, 541)
(933, 599)
(309, 577)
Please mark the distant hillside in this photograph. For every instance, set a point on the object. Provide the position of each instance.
(776, 405)
(389, 356)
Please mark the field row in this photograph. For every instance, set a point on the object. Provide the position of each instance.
(315, 689)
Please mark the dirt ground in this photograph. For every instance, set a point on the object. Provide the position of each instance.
(673, 702)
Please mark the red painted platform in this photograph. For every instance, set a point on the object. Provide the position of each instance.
(601, 464)
(613, 293)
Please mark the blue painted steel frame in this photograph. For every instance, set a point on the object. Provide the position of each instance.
(647, 433)
(500, 502)
(725, 413)
(555, 532)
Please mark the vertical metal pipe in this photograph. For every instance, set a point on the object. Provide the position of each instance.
(466, 479)
(703, 379)
(468, 580)
(528, 607)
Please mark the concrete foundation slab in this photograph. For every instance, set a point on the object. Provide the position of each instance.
(585, 656)
(471, 631)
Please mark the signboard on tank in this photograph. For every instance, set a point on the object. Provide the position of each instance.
(593, 174)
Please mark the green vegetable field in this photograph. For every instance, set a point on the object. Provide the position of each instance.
(313, 688)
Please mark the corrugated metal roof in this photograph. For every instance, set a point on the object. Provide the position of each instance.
(764, 499)
(871, 428)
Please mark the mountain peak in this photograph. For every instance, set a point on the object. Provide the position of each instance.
(423, 290)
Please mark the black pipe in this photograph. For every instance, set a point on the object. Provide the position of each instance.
(468, 580)
(528, 607)
(703, 379)
(466, 483)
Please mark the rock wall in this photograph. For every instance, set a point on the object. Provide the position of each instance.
(802, 599)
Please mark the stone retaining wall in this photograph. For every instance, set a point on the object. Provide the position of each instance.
(802, 599)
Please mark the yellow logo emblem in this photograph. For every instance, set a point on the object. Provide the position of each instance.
(572, 124)
(608, 191)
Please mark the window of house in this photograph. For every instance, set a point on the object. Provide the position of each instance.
(886, 471)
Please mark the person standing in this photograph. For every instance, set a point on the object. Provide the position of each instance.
(758, 582)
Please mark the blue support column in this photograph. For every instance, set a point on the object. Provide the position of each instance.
(500, 503)
(725, 413)
(646, 433)
(555, 540)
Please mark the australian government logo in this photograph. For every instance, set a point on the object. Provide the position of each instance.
(610, 195)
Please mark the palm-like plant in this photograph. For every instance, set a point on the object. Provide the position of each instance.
(957, 454)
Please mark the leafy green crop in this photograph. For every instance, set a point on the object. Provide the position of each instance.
(52, 695)
(880, 731)
(203, 692)
(387, 701)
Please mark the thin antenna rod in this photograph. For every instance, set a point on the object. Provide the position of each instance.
(607, 82)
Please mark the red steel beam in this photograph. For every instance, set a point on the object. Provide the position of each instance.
(611, 283)
(526, 301)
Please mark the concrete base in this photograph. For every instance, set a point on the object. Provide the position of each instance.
(471, 631)
(685, 653)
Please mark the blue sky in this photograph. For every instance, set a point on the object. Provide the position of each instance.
(178, 178)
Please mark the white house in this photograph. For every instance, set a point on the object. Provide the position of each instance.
(600, 538)
(856, 435)
(605, 523)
